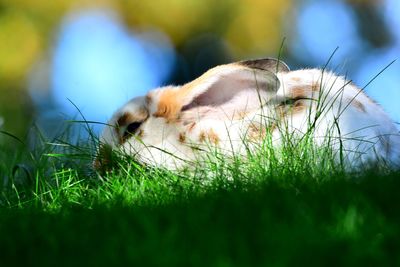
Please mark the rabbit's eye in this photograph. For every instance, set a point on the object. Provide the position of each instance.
(131, 129)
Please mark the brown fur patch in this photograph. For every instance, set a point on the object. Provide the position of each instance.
(213, 137)
(182, 137)
(298, 107)
(140, 133)
(358, 105)
(300, 91)
(202, 136)
(296, 79)
(316, 87)
(256, 132)
(210, 136)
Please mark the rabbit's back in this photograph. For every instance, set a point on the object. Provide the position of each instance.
(337, 112)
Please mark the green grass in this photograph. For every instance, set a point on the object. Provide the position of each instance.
(295, 207)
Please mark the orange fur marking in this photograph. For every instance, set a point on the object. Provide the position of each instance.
(213, 137)
(202, 136)
(172, 100)
(296, 79)
(210, 136)
(257, 131)
(169, 105)
(316, 87)
(301, 91)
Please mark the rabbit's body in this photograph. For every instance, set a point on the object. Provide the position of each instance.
(350, 120)
(234, 107)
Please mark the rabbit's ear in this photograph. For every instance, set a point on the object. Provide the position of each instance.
(271, 64)
(225, 89)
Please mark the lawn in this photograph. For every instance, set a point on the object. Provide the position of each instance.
(287, 210)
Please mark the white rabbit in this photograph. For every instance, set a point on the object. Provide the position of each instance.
(239, 103)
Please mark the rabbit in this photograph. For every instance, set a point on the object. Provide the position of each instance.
(236, 104)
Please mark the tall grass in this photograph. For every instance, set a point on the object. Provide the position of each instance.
(54, 173)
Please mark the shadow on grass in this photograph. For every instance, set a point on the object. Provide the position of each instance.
(339, 222)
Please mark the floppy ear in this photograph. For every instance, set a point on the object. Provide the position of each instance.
(225, 90)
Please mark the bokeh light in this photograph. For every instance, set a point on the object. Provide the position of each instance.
(321, 27)
(98, 64)
(392, 16)
(385, 88)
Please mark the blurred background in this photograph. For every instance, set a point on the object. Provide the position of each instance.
(65, 57)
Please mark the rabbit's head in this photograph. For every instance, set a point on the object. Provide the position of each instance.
(168, 126)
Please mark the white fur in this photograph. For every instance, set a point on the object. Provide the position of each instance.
(366, 132)
(365, 136)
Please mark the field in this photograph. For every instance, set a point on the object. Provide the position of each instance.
(287, 210)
